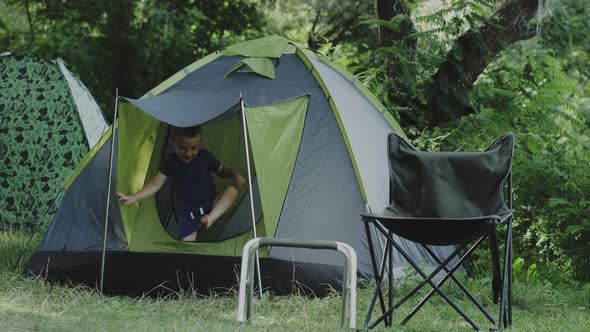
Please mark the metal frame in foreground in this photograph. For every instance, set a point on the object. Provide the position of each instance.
(348, 282)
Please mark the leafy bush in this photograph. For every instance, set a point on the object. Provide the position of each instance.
(535, 89)
(531, 96)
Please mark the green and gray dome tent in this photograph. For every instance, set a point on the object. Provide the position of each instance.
(48, 122)
(318, 152)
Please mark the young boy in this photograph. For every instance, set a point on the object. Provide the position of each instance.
(197, 203)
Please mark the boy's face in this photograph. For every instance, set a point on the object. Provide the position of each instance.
(187, 148)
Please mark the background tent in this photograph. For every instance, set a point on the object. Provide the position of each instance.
(318, 148)
(48, 122)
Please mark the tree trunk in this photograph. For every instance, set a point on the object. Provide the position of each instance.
(386, 10)
(120, 65)
(471, 54)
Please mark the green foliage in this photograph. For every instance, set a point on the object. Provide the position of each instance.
(528, 93)
(330, 26)
(536, 89)
(400, 73)
(556, 223)
(131, 45)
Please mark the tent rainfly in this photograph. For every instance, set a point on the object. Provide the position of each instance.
(318, 157)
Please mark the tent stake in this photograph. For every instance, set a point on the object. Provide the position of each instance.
(106, 218)
(250, 188)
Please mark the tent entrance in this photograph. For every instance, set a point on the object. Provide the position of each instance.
(224, 137)
(275, 134)
(142, 144)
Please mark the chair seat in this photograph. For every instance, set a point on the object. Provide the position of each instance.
(437, 231)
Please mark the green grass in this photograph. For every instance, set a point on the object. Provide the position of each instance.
(28, 304)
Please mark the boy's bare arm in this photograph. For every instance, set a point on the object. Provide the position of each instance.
(229, 173)
(149, 189)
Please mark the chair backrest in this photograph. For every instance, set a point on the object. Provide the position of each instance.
(448, 184)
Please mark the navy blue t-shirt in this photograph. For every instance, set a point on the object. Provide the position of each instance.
(193, 183)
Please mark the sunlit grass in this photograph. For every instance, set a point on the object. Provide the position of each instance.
(33, 304)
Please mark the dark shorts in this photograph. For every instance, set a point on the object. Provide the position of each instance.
(190, 223)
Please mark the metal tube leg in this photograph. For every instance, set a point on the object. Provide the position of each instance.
(422, 284)
(348, 286)
(352, 288)
(510, 277)
(243, 297)
(433, 285)
(390, 280)
(345, 293)
(503, 317)
(443, 280)
(461, 286)
(378, 292)
(376, 275)
(250, 284)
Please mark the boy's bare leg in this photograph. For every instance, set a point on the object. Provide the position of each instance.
(190, 237)
(221, 204)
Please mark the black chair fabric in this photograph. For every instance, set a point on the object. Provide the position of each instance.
(444, 198)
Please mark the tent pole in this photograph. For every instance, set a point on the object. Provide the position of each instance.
(106, 218)
(250, 188)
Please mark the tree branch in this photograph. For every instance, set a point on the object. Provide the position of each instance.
(386, 10)
(471, 54)
(30, 20)
(312, 42)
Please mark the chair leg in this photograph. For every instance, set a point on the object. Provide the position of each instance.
(510, 276)
(461, 286)
(417, 288)
(379, 292)
(445, 278)
(378, 277)
(390, 280)
(495, 253)
(507, 266)
(432, 284)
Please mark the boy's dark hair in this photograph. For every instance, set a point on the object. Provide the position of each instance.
(190, 132)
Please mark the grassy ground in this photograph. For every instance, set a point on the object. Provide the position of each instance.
(27, 304)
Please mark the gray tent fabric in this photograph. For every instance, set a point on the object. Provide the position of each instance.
(90, 114)
(367, 133)
(324, 198)
(78, 224)
(215, 94)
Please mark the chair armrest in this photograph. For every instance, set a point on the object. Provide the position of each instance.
(494, 219)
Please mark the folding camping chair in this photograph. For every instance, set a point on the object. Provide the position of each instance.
(444, 198)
